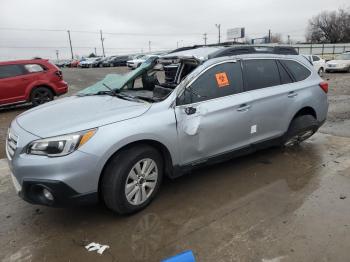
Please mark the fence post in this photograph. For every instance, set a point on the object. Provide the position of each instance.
(311, 49)
(298, 50)
(333, 50)
(322, 50)
(344, 49)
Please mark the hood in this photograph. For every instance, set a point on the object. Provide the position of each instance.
(337, 62)
(77, 113)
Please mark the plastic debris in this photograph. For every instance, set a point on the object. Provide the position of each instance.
(96, 247)
(186, 256)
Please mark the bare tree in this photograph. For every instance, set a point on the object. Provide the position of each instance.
(329, 27)
(276, 38)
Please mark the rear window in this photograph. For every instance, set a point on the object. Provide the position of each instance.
(298, 71)
(260, 73)
(11, 71)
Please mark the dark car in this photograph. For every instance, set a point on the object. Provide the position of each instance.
(119, 61)
(36, 81)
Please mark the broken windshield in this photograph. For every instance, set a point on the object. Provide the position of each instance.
(117, 81)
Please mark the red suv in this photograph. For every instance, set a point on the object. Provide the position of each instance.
(36, 81)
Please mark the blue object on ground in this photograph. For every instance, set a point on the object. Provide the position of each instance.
(186, 256)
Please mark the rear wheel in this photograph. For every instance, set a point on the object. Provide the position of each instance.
(41, 95)
(132, 179)
(300, 129)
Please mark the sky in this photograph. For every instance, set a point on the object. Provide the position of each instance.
(31, 28)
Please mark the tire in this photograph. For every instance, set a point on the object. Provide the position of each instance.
(320, 71)
(300, 129)
(41, 95)
(119, 179)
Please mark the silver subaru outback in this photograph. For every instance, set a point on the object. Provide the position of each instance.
(115, 140)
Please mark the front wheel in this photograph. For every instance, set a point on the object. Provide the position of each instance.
(41, 95)
(132, 179)
(320, 71)
(300, 129)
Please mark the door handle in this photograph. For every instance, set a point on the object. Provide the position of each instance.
(292, 94)
(243, 108)
(190, 110)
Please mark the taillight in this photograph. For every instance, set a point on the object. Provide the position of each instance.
(324, 86)
(59, 74)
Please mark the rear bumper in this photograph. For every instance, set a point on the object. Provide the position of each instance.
(61, 88)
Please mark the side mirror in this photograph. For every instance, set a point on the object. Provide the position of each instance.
(190, 110)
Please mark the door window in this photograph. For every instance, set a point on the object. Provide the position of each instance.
(285, 77)
(260, 73)
(315, 58)
(11, 71)
(221, 80)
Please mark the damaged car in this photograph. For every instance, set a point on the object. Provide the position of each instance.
(115, 140)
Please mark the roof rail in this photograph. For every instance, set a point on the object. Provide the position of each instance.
(241, 50)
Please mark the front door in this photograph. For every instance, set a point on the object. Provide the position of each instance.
(213, 114)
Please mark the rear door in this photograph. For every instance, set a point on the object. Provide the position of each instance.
(13, 83)
(213, 114)
(272, 91)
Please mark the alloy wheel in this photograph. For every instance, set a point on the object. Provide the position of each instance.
(141, 181)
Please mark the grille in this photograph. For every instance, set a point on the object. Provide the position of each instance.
(11, 144)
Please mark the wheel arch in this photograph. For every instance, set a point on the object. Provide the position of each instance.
(307, 110)
(35, 86)
(160, 147)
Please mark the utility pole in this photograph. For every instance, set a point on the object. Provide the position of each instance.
(95, 52)
(218, 26)
(70, 43)
(269, 36)
(149, 46)
(205, 38)
(103, 48)
(57, 51)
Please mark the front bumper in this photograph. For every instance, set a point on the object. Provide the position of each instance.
(336, 68)
(63, 195)
(72, 179)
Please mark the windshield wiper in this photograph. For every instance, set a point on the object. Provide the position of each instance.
(113, 91)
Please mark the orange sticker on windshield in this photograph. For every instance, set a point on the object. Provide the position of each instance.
(222, 79)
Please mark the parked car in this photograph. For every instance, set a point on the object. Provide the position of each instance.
(138, 60)
(318, 63)
(341, 63)
(106, 61)
(89, 62)
(73, 63)
(99, 63)
(130, 131)
(119, 61)
(36, 81)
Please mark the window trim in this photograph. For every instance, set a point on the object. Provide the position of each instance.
(201, 73)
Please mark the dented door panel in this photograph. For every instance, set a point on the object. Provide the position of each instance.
(217, 126)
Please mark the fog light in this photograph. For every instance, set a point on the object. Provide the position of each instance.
(47, 194)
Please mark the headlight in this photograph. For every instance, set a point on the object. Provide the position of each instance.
(60, 145)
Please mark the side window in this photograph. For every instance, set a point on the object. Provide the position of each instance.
(260, 73)
(34, 68)
(218, 81)
(298, 71)
(315, 58)
(11, 71)
(285, 77)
